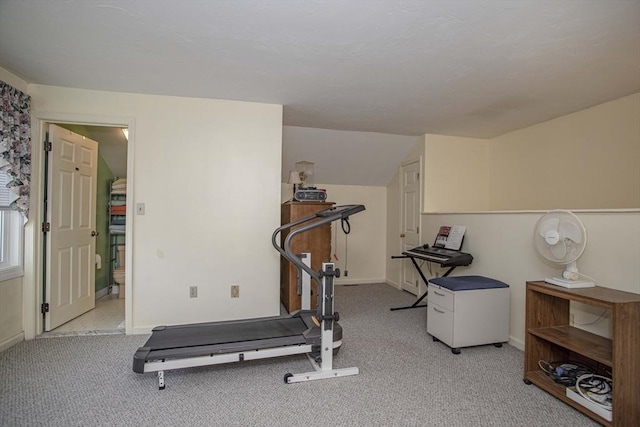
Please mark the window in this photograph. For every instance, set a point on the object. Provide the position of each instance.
(11, 236)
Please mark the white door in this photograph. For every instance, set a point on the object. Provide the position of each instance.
(71, 218)
(410, 223)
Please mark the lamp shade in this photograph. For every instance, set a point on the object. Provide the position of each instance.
(294, 178)
(306, 171)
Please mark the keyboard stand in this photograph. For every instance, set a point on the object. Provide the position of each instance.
(424, 279)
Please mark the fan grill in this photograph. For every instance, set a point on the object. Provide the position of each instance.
(561, 237)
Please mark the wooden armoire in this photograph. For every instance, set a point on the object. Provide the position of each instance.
(316, 241)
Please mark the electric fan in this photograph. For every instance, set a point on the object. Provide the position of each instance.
(560, 237)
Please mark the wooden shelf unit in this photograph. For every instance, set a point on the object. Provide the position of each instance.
(550, 337)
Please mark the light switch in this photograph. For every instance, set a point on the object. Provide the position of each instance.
(140, 208)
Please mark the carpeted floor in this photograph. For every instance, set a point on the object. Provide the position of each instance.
(405, 379)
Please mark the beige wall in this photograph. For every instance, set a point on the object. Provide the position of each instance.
(586, 160)
(11, 323)
(602, 138)
(194, 164)
(365, 252)
(456, 174)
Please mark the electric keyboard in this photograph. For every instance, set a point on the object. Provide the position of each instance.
(444, 257)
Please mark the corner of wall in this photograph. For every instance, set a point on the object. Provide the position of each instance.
(10, 342)
(13, 80)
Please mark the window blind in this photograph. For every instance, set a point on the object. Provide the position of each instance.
(5, 196)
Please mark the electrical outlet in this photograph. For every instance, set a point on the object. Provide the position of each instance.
(235, 291)
(193, 292)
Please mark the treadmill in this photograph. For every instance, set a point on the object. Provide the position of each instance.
(314, 333)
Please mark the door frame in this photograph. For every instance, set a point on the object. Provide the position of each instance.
(401, 209)
(33, 280)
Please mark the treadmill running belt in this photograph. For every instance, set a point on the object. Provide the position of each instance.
(213, 334)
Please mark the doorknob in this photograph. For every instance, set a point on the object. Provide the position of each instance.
(402, 235)
(94, 233)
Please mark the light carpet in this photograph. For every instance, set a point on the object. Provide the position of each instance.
(405, 379)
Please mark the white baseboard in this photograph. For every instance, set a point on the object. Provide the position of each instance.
(102, 292)
(516, 343)
(11, 341)
(348, 281)
(141, 330)
(392, 283)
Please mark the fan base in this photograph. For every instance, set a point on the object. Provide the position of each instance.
(570, 283)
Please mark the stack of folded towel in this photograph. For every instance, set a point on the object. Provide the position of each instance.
(118, 208)
(119, 186)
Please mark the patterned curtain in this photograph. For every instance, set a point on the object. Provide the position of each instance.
(15, 145)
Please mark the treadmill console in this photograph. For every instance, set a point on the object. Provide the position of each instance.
(344, 211)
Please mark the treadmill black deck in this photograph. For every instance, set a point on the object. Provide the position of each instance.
(212, 333)
(183, 341)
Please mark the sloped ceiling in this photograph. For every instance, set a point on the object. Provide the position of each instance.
(467, 68)
(345, 158)
(476, 68)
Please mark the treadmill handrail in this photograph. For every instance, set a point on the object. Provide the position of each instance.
(293, 258)
(284, 227)
(322, 217)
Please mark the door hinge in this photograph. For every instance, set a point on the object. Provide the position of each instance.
(418, 230)
(47, 146)
(44, 308)
(46, 227)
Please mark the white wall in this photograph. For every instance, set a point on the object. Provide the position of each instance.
(503, 249)
(11, 329)
(365, 249)
(196, 165)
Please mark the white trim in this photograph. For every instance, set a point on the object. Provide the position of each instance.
(421, 185)
(12, 272)
(391, 283)
(13, 243)
(102, 292)
(33, 324)
(140, 330)
(369, 281)
(588, 211)
(516, 343)
(11, 341)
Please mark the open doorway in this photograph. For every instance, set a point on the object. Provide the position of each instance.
(106, 313)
